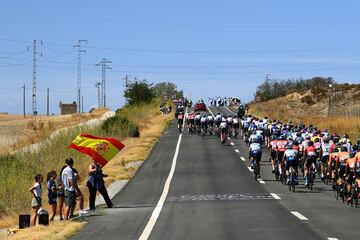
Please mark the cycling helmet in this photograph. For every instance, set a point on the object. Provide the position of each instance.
(296, 143)
(307, 137)
(289, 146)
(335, 150)
(317, 139)
(282, 137)
(273, 137)
(355, 147)
(345, 135)
(218, 113)
(344, 149)
(343, 141)
(325, 130)
(352, 154)
(326, 140)
(310, 143)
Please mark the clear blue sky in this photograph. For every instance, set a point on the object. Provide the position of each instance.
(208, 48)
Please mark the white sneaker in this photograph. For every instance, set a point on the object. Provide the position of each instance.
(83, 212)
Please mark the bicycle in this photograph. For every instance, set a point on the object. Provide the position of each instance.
(256, 166)
(311, 177)
(223, 137)
(292, 182)
(355, 194)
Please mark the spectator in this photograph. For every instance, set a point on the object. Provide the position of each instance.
(52, 193)
(68, 179)
(79, 195)
(96, 183)
(36, 190)
(60, 193)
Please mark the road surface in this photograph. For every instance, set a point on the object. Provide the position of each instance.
(213, 195)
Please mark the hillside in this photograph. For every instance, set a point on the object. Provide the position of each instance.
(312, 107)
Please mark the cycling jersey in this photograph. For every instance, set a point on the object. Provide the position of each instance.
(281, 145)
(210, 119)
(325, 149)
(273, 145)
(332, 160)
(253, 137)
(310, 151)
(351, 165)
(180, 116)
(203, 120)
(236, 121)
(255, 147)
(342, 158)
(290, 155)
(223, 125)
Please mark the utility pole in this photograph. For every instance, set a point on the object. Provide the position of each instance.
(98, 85)
(103, 65)
(47, 102)
(34, 110)
(82, 104)
(267, 77)
(126, 85)
(78, 92)
(24, 100)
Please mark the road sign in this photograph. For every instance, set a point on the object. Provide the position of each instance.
(258, 98)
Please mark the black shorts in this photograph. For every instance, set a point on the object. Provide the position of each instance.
(273, 154)
(325, 159)
(293, 163)
(279, 157)
(310, 160)
(70, 198)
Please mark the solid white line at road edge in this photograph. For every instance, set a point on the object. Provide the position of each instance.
(155, 214)
(229, 110)
(299, 215)
(236, 150)
(242, 159)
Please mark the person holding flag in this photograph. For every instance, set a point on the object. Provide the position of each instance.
(96, 183)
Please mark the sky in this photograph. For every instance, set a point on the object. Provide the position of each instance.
(206, 47)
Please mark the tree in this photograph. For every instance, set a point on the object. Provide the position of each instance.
(167, 89)
(139, 92)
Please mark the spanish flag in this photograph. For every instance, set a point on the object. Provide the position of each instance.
(102, 150)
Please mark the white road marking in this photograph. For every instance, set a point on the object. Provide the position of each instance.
(251, 170)
(332, 238)
(229, 110)
(228, 138)
(156, 212)
(275, 196)
(209, 110)
(242, 159)
(232, 144)
(237, 151)
(261, 181)
(299, 215)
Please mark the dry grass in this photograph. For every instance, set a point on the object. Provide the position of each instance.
(55, 231)
(16, 132)
(281, 111)
(151, 124)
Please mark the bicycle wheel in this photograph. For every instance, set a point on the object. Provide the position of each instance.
(355, 196)
(336, 191)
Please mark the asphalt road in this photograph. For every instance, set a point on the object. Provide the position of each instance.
(213, 195)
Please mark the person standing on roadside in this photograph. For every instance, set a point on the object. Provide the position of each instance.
(60, 193)
(52, 189)
(68, 179)
(79, 195)
(36, 191)
(96, 183)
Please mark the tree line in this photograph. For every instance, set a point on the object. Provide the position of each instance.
(274, 88)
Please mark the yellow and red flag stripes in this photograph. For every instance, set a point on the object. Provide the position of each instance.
(102, 150)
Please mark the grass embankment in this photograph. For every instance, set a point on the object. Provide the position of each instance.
(19, 170)
(17, 132)
(282, 112)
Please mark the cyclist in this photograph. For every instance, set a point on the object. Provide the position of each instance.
(255, 154)
(280, 148)
(325, 154)
(203, 122)
(332, 165)
(253, 137)
(291, 160)
(340, 164)
(197, 122)
(229, 121)
(180, 121)
(223, 129)
(235, 126)
(210, 123)
(350, 174)
(310, 159)
(218, 118)
(273, 151)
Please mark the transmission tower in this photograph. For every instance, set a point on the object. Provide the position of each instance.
(34, 110)
(78, 92)
(126, 78)
(103, 65)
(98, 85)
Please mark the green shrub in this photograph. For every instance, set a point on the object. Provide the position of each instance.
(120, 126)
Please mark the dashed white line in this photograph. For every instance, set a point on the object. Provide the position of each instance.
(232, 144)
(242, 159)
(236, 150)
(228, 138)
(332, 238)
(299, 215)
(274, 195)
(251, 170)
(261, 181)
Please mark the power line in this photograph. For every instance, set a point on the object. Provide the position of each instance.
(104, 66)
(78, 46)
